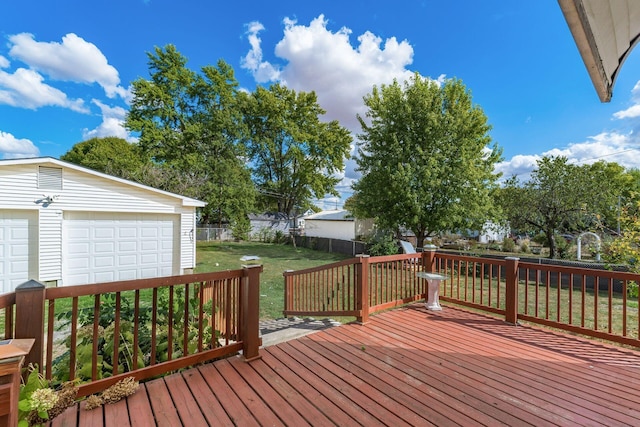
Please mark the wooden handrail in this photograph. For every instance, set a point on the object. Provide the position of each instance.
(235, 314)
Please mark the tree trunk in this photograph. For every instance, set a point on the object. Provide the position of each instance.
(551, 240)
(420, 236)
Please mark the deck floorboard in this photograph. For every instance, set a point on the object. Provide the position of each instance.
(406, 366)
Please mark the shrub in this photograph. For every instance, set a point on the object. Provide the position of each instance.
(240, 228)
(508, 245)
(385, 245)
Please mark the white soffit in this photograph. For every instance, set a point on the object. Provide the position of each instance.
(605, 31)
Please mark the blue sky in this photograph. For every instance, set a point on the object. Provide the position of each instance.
(66, 67)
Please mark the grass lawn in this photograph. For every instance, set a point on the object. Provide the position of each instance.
(275, 258)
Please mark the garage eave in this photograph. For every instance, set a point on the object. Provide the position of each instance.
(605, 33)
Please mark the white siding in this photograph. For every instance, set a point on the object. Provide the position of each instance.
(80, 192)
(188, 240)
(84, 191)
(343, 230)
(50, 244)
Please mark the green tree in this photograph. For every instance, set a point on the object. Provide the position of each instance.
(625, 248)
(110, 155)
(424, 158)
(191, 125)
(555, 199)
(295, 156)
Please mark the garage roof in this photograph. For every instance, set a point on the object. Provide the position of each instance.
(605, 31)
(186, 201)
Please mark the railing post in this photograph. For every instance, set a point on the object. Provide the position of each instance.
(12, 357)
(288, 292)
(511, 291)
(362, 288)
(251, 312)
(30, 318)
(429, 258)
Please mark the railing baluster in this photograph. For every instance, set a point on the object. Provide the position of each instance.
(116, 335)
(94, 352)
(526, 291)
(547, 296)
(227, 310)
(200, 292)
(624, 308)
(596, 291)
(154, 327)
(558, 298)
(571, 298)
(185, 321)
(50, 327)
(74, 339)
(610, 319)
(136, 328)
(170, 325)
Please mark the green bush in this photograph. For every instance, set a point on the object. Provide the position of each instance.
(508, 245)
(240, 229)
(385, 245)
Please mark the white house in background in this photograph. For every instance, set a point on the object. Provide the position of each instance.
(271, 222)
(492, 232)
(336, 224)
(62, 224)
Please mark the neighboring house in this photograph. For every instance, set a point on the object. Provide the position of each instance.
(335, 224)
(268, 222)
(62, 224)
(492, 232)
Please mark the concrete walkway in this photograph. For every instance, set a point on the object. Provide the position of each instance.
(280, 330)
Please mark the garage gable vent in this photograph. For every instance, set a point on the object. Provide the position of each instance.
(50, 178)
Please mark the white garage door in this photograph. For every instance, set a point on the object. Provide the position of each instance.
(111, 247)
(15, 248)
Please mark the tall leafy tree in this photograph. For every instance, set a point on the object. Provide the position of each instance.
(610, 186)
(191, 125)
(111, 155)
(563, 197)
(295, 155)
(425, 158)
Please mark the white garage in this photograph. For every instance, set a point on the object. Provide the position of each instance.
(63, 224)
(16, 227)
(103, 248)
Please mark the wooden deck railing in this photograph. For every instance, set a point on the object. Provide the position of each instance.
(355, 287)
(591, 302)
(101, 333)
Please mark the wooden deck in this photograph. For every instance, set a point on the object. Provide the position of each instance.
(405, 367)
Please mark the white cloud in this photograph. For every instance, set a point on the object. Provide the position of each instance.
(341, 74)
(629, 113)
(112, 123)
(519, 165)
(26, 88)
(73, 60)
(262, 71)
(617, 147)
(320, 60)
(634, 110)
(4, 62)
(14, 148)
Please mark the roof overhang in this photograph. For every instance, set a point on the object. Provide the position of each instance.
(605, 31)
